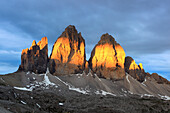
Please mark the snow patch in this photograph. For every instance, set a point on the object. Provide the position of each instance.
(102, 92)
(28, 73)
(130, 92)
(61, 104)
(24, 88)
(47, 81)
(38, 105)
(2, 79)
(97, 77)
(23, 102)
(127, 78)
(146, 95)
(72, 87)
(124, 90)
(143, 84)
(164, 97)
(78, 90)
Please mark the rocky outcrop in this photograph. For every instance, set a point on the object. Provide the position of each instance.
(35, 59)
(136, 71)
(68, 53)
(159, 79)
(86, 67)
(107, 58)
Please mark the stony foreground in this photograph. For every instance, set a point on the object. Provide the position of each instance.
(52, 101)
(34, 93)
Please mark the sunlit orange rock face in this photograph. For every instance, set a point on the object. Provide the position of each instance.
(107, 58)
(68, 54)
(35, 59)
(136, 71)
(86, 67)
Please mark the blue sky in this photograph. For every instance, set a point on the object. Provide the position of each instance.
(142, 28)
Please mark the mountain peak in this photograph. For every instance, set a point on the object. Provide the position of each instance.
(140, 66)
(35, 59)
(68, 53)
(71, 33)
(34, 43)
(107, 58)
(106, 38)
(43, 42)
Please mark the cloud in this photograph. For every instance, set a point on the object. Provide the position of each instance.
(14, 41)
(9, 52)
(141, 27)
(7, 68)
(156, 63)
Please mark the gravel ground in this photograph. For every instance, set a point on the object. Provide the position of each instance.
(53, 101)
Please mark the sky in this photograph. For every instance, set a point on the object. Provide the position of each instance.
(142, 28)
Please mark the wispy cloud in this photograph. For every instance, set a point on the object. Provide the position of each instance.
(10, 52)
(7, 68)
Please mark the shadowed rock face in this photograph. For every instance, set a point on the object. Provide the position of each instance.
(35, 59)
(136, 71)
(107, 58)
(158, 78)
(68, 54)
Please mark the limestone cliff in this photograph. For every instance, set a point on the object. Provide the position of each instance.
(68, 54)
(35, 59)
(107, 58)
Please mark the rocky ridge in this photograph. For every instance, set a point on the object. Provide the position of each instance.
(136, 71)
(33, 88)
(68, 57)
(35, 59)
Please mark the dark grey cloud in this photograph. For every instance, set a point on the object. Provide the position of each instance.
(142, 27)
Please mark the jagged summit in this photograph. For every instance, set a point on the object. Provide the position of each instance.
(33, 43)
(72, 33)
(106, 38)
(35, 59)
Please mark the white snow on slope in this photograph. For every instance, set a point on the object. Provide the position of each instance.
(144, 82)
(47, 81)
(146, 95)
(38, 105)
(127, 78)
(102, 92)
(23, 102)
(61, 104)
(164, 97)
(24, 88)
(78, 90)
(72, 87)
(97, 77)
